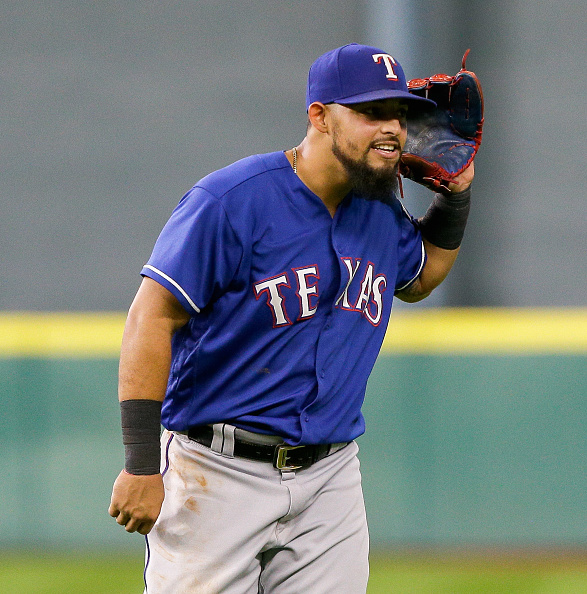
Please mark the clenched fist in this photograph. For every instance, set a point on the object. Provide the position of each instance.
(136, 501)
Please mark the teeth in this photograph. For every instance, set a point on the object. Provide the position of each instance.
(385, 147)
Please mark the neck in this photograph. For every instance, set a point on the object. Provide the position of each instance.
(321, 173)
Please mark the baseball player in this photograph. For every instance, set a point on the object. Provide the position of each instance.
(251, 338)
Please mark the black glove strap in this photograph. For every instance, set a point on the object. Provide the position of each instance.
(444, 223)
(141, 434)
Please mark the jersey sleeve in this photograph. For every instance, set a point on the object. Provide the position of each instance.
(197, 253)
(411, 253)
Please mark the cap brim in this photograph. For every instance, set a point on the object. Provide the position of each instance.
(419, 102)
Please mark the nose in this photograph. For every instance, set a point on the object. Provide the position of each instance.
(391, 125)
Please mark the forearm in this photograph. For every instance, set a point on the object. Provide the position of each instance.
(442, 228)
(438, 264)
(145, 358)
(144, 368)
(145, 361)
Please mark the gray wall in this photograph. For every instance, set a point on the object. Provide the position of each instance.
(526, 243)
(110, 111)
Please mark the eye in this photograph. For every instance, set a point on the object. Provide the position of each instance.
(369, 111)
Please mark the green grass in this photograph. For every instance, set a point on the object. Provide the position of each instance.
(70, 574)
(122, 574)
(478, 575)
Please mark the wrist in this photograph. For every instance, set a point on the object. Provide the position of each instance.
(444, 223)
(454, 189)
(141, 432)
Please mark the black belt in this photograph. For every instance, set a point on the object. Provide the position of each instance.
(282, 456)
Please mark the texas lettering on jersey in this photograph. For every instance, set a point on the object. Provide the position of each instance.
(368, 302)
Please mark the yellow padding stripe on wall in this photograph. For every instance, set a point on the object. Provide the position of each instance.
(490, 330)
(425, 331)
(81, 335)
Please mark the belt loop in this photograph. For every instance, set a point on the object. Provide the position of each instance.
(218, 438)
(228, 445)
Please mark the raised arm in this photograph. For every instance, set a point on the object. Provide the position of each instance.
(442, 228)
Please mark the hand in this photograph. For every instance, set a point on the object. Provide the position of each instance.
(136, 501)
(462, 181)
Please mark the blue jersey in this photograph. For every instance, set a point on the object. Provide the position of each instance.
(289, 305)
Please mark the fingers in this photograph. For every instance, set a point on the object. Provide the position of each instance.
(121, 518)
(462, 181)
(138, 524)
(132, 524)
(145, 528)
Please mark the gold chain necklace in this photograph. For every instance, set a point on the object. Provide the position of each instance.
(295, 160)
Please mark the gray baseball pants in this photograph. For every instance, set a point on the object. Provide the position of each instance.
(237, 526)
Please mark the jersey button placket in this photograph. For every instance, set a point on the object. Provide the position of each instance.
(338, 248)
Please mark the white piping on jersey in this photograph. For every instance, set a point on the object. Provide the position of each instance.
(170, 280)
(417, 273)
(405, 209)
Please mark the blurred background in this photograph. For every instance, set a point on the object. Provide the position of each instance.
(112, 110)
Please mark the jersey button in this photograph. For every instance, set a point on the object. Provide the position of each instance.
(322, 374)
(306, 418)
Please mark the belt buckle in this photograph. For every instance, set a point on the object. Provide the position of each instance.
(281, 456)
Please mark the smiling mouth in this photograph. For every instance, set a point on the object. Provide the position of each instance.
(387, 149)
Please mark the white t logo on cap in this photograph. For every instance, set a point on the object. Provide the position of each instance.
(388, 61)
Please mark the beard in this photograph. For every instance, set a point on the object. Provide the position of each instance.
(369, 183)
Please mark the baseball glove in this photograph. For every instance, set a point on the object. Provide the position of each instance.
(442, 142)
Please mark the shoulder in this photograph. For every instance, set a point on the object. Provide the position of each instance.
(240, 194)
(247, 172)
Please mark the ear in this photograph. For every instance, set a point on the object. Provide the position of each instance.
(317, 116)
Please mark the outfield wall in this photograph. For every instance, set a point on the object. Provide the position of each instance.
(475, 430)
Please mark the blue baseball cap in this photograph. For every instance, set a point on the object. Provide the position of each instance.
(357, 73)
